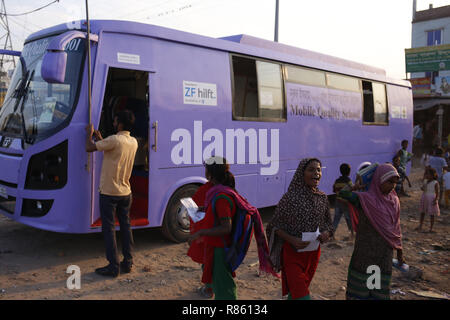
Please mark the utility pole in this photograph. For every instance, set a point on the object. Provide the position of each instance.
(277, 5)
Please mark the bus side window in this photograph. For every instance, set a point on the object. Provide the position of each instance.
(258, 90)
(305, 76)
(270, 90)
(368, 111)
(340, 82)
(380, 101)
(375, 103)
(245, 88)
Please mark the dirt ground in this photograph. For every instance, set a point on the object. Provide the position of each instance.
(33, 263)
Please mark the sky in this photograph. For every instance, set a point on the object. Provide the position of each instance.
(373, 32)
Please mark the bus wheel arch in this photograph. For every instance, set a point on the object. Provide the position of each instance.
(175, 225)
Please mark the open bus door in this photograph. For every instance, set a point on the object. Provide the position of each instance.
(126, 89)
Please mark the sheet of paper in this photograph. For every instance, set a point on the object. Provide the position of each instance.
(49, 108)
(192, 209)
(312, 238)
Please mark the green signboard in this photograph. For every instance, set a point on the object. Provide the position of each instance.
(433, 58)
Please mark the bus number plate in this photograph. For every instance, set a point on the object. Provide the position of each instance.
(3, 193)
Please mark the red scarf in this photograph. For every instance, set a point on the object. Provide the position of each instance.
(265, 265)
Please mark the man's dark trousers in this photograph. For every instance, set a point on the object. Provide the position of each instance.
(121, 205)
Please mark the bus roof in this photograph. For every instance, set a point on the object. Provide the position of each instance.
(240, 44)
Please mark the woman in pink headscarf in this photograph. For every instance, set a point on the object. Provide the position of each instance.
(378, 234)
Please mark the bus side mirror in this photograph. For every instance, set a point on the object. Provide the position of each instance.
(53, 68)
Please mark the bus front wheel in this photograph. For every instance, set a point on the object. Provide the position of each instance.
(176, 220)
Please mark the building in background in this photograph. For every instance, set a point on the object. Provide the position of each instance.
(428, 64)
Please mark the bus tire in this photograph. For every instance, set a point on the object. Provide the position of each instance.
(175, 226)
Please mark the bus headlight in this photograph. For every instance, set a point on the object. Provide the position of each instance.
(36, 208)
(48, 170)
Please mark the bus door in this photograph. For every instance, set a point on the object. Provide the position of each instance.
(127, 89)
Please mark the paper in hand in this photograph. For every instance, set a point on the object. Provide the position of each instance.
(312, 238)
(192, 209)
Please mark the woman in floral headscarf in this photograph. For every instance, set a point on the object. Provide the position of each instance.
(377, 234)
(303, 208)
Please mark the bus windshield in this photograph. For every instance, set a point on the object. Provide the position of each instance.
(33, 108)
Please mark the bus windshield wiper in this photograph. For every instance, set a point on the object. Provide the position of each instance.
(33, 105)
(26, 88)
(21, 97)
(20, 90)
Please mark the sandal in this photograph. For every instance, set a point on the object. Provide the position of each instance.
(205, 292)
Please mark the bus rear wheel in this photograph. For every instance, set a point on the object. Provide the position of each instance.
(175, 225)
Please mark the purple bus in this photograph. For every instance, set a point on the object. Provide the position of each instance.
(262, 105)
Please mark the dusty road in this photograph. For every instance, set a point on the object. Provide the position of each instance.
(33, 263)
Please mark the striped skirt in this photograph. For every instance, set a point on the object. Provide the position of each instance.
(367, 286)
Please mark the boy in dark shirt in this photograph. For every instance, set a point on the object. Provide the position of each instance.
(341, 207)
(404, 154)
(399, 189)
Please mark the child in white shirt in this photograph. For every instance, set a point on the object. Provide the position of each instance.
(429, 201)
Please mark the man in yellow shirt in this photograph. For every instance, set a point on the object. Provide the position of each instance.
(119, 151)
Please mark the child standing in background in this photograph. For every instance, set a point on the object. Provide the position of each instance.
(404, 155)
(401, 172)
(341, 206)
(438, 163)
(429, 201)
